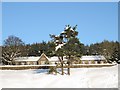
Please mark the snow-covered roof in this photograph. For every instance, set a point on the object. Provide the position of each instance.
(55, 58)
(27, 58)
(30, 58)
(43, 55)
(99, 57)
(52, 59)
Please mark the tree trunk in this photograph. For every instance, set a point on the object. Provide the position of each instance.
(69, 69)
(69, 66)
(61, 61)
(62, 69)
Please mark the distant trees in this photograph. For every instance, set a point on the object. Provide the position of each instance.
(115, 57)
(14, 47)
(36, 49)
(65, 44)
(107, 48)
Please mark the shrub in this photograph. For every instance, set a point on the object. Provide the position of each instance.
(52, 70)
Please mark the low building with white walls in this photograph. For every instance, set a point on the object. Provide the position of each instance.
(43, 59)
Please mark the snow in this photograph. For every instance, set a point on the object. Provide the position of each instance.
(56, 59)
(106, 64)
(96, 57)
(59, 46)
(71, 29)
(27, 58)
(105, 77)
(26, 65)
(63, 32)
(66, 27)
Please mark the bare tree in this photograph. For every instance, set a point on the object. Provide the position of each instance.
(11, 49)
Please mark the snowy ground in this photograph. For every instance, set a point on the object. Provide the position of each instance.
(105, 77)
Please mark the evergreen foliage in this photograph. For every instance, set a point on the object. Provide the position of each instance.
(13, 47)
(52, 70)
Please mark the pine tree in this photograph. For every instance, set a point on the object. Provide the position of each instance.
(67, 44)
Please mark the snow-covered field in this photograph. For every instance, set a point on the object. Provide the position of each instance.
(105, 77)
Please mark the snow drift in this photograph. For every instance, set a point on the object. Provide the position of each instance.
(104, 77)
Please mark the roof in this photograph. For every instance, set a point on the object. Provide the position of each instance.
(97, 57)
(43, 55)
(51, 59)
(27, 58)
(55, 58)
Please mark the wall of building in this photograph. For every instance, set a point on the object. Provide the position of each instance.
(26, 63)
(43, 60)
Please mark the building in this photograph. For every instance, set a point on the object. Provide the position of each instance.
(97, 59)
(43, 59)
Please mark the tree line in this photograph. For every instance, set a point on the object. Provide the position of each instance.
(70, 46)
